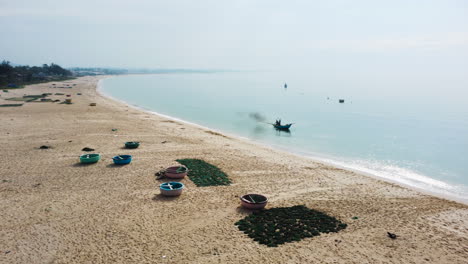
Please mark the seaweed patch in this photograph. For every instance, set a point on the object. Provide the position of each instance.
(281, 225)
(204, 174)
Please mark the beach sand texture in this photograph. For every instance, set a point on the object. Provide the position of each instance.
(55, 210)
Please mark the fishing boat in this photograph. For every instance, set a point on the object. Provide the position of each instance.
(254, 201)
(282, 127)
(171, 188)
(90, 158)
(122, 159)
(176, 172)
(277, 125)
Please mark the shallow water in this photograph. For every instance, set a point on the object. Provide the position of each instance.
(401, 137)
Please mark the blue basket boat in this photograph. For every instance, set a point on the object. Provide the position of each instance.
(122, 159)
(171, 188)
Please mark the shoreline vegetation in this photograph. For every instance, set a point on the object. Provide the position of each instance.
(13, 77)
(55, 209)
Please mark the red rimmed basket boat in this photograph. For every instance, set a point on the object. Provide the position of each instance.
(254, 201)
(176, 172)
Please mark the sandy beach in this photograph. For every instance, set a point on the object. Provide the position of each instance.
(55, 210)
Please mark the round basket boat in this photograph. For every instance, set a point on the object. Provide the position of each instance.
(122, 159)
(132, 144)
(90, 158)
(171, 188)
(176, 172)
(254, 201)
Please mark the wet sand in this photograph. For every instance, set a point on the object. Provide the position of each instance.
(55, 210)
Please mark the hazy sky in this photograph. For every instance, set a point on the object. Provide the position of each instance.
(230, 34)
(398, 47)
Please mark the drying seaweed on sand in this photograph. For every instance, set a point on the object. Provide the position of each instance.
(10, 105)
(281, 225)
(204, 174)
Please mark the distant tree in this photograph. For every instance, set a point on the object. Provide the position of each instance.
(26, 74)
(36, 70)
(5, 67)
(55, 69)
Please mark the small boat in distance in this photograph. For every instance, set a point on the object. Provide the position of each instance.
(277, 125)
(285, 85)
(282, 127)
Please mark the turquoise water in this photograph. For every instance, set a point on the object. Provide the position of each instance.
(413, 140)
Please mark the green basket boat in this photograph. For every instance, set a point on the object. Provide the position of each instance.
(90, 158)
(132, 144)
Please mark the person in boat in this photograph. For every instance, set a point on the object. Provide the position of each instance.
(278, 122)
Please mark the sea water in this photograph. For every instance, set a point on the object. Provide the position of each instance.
(416, 141)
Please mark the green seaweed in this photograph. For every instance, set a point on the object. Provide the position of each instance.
(204, 174)
(281, 225)
(181, 169)
(34, 96)
(23, 99)
(10, 105)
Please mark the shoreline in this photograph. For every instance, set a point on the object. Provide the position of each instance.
(56, 210)
(301, 154)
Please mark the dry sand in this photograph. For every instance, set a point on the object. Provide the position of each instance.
(53, 210)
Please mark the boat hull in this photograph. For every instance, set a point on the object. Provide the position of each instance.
(257, 205)
(122, 159)
(90, 158)
(284, 127)
(171, 172)
(175, 189)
